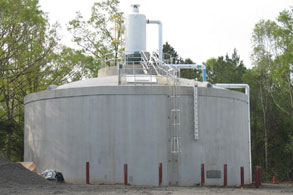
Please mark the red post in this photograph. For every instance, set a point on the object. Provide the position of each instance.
(259, 173)
(242, 176)
(160, 173)
(258, 177)
(274, 179)
(87, 172)
(125, 175)
(202, 175)
(225, 175)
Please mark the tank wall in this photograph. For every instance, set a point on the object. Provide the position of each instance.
(111, 126)
(223, 138)
(108, 131)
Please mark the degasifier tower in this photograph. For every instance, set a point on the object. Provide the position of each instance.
(140, 123)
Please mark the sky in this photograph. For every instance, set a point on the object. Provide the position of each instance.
(197, 29)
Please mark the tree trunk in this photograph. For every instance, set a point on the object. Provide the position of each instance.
(8, 153)
(264, 109)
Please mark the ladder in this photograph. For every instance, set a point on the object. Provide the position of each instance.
(175, 148)
(175, 138)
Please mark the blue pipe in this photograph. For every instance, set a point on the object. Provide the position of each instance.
(204, 72)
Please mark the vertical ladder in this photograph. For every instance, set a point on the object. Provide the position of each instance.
(175, 138)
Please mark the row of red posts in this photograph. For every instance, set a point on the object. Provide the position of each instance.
(125, 173)
(257, 178)
(160, 171)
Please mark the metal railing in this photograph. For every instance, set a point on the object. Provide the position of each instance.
(142, 66)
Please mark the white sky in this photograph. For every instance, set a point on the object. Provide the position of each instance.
(197, 29)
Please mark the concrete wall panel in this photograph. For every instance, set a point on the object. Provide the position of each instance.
(113, 125)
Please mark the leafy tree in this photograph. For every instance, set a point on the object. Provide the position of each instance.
(26, 48)
(97, 36)
(171, 56)
(225, 69)
(273, 59)
(72, 65)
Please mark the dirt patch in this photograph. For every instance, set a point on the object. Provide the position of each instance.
(14, 173)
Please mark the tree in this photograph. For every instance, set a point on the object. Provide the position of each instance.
(101, 35)
(171, 56)
(26, 50)
(273, 59)
(225, 69)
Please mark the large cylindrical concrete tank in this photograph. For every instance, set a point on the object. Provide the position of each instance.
(110, 125)
(135, 33)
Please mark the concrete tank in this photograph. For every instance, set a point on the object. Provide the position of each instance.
(108, 125)
(135, 34)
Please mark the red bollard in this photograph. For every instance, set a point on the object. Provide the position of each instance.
(225, 175)
(274, 179)
(258, 177)
(259, 173)
(125, 175)
(242, 176)
(87, 172)
(202, 175)
(160, 173)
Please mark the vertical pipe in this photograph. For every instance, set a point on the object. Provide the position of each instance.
(242, 176)
(247, 92)
(225, 175)
(160, 173)
(87, 172)
(202, 175)
(204, 75)
(125, 175)
(161, 41)
(160, 37)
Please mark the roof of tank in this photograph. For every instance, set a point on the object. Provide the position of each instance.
(113, 81)
(100, 81)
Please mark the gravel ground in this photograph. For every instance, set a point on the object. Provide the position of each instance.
(15, 174)
(67, 189)
(15, 179)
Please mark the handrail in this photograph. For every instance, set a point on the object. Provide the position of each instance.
(143, 64)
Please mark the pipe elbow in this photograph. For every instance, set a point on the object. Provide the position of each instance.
(153, 22)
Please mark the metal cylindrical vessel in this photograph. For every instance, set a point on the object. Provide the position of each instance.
(135, 34)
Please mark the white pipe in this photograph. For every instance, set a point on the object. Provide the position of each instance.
(246, 86)
(160, 36)
(193, 66)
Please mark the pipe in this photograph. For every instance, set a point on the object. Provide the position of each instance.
(160, 36)
(193, 66)
(204, 72)
(246, 87)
